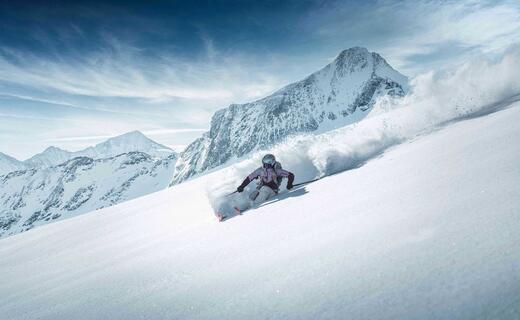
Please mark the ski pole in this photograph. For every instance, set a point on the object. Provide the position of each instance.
(302, 183)
(229, 194)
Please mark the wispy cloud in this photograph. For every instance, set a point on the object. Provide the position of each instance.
(120, 70)
(81, 138)
(419, 35)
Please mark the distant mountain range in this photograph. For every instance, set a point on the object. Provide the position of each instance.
(58, 184)
(36, 196)
(128, 142)
(341, 93)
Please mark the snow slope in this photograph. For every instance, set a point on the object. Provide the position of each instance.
(427, 230)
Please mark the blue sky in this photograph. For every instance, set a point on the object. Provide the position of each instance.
(72, 75)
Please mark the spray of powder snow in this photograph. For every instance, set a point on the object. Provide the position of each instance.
(436, 98)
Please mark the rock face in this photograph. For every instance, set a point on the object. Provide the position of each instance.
(37, 196)
(341, 93)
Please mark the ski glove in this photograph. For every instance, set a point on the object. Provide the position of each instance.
(243, 185)
(290, 181)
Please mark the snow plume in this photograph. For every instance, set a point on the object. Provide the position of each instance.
(436, 98)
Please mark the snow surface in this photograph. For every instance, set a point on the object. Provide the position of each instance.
(426, 230)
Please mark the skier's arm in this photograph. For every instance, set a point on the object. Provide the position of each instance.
(248, 179)
(290, 180)
(288, 175)
(244, 184)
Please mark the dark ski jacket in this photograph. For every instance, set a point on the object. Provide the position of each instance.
(268, 177)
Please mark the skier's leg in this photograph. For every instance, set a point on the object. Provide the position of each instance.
(263, 195)
(253, 195)
(244, 204)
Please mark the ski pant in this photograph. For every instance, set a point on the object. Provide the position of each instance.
(257, 197)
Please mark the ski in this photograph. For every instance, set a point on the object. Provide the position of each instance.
(221, 217)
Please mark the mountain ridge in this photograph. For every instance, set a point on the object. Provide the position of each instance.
(124, 143)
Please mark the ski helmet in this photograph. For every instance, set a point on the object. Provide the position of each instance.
(268, 159)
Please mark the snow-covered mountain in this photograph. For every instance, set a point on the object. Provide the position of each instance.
(341, 93)
(8, 164)
(131, 141)
(128, 142)
(49, 157)
(37, 196)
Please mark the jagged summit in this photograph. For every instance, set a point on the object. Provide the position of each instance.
(358, 59)
(357, 56)
(353, 54)
(341, 93)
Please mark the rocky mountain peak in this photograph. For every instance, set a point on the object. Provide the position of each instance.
(352, 54)
(341, 93)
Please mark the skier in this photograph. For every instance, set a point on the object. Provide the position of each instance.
(270, 175)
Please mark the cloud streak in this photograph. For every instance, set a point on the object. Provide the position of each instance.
(420, 35)
(120, 70)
